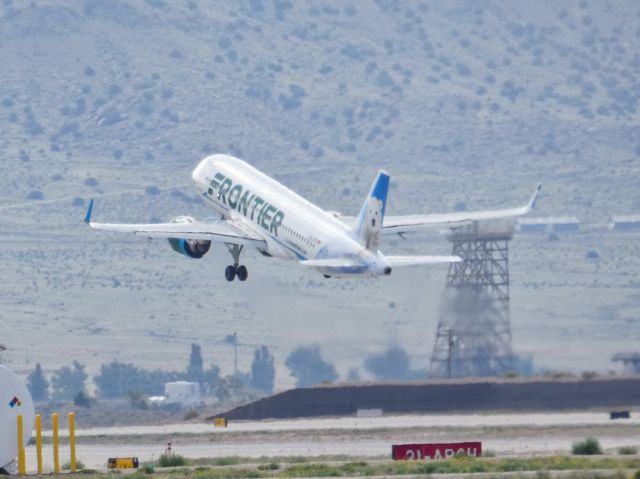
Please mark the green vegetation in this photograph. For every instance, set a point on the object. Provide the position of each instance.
(307, 365)
(628, 450)
(236, 460)
(190, 414)
(457, 465)
(68, 381)
(138, 400)
(263, 372)
(171, 460)
(147, 468)
(588, 447)
(38, 384)
(67, 466)
(226, 461)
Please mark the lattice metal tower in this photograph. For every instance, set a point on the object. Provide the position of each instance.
(474, 328)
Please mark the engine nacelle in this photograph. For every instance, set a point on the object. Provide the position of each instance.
(192, 248)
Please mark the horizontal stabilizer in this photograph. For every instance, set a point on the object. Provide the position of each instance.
(420, 260)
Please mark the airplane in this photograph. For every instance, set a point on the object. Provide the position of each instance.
(257, 211)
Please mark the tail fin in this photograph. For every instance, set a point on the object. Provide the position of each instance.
(369, 223)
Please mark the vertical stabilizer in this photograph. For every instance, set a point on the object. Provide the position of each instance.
(369, 223)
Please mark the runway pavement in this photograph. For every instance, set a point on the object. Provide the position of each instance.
(503, 434)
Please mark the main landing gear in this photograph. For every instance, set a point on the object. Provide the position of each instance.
(234, 270)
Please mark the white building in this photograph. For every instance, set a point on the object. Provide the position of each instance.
(185, 393)
(624, 223)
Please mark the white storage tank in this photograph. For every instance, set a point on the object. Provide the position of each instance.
(15, 400)
(185, 393)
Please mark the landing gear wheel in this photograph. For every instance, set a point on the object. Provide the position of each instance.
(242, 273)
(230, 273)
(233, 270)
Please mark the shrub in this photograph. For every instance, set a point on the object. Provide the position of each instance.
(35, 195)
(138, 400)
(67, 466)
(171, 460)
(226, 461)
(147, 468)
(628, 450)
(82, 399)
(190, 414)
(592, 255)
(589, 446)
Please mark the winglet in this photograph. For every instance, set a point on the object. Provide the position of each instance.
(534, 198)
(87, 218)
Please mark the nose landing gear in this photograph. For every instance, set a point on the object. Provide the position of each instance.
(235, 269)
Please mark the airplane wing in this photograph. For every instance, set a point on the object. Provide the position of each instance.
(218, 231)
(420, 260)
(409, 223)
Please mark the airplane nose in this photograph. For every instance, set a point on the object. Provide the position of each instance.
(196, 173)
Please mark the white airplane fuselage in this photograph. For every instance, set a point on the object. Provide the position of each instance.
(293, 228)
(259, 212)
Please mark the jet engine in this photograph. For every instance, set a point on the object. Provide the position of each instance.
(192, 248)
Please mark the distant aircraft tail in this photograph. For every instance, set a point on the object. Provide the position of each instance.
(369, 223)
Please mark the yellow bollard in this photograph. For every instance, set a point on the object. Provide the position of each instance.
(56, 451)
(72, 440)
(39, 442)
(22, 466)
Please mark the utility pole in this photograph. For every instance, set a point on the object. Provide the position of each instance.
(232, 340)
(450, 351)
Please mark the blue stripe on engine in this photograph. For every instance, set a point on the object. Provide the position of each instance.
(183, 246)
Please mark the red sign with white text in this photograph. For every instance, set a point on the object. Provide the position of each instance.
(417, 452)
